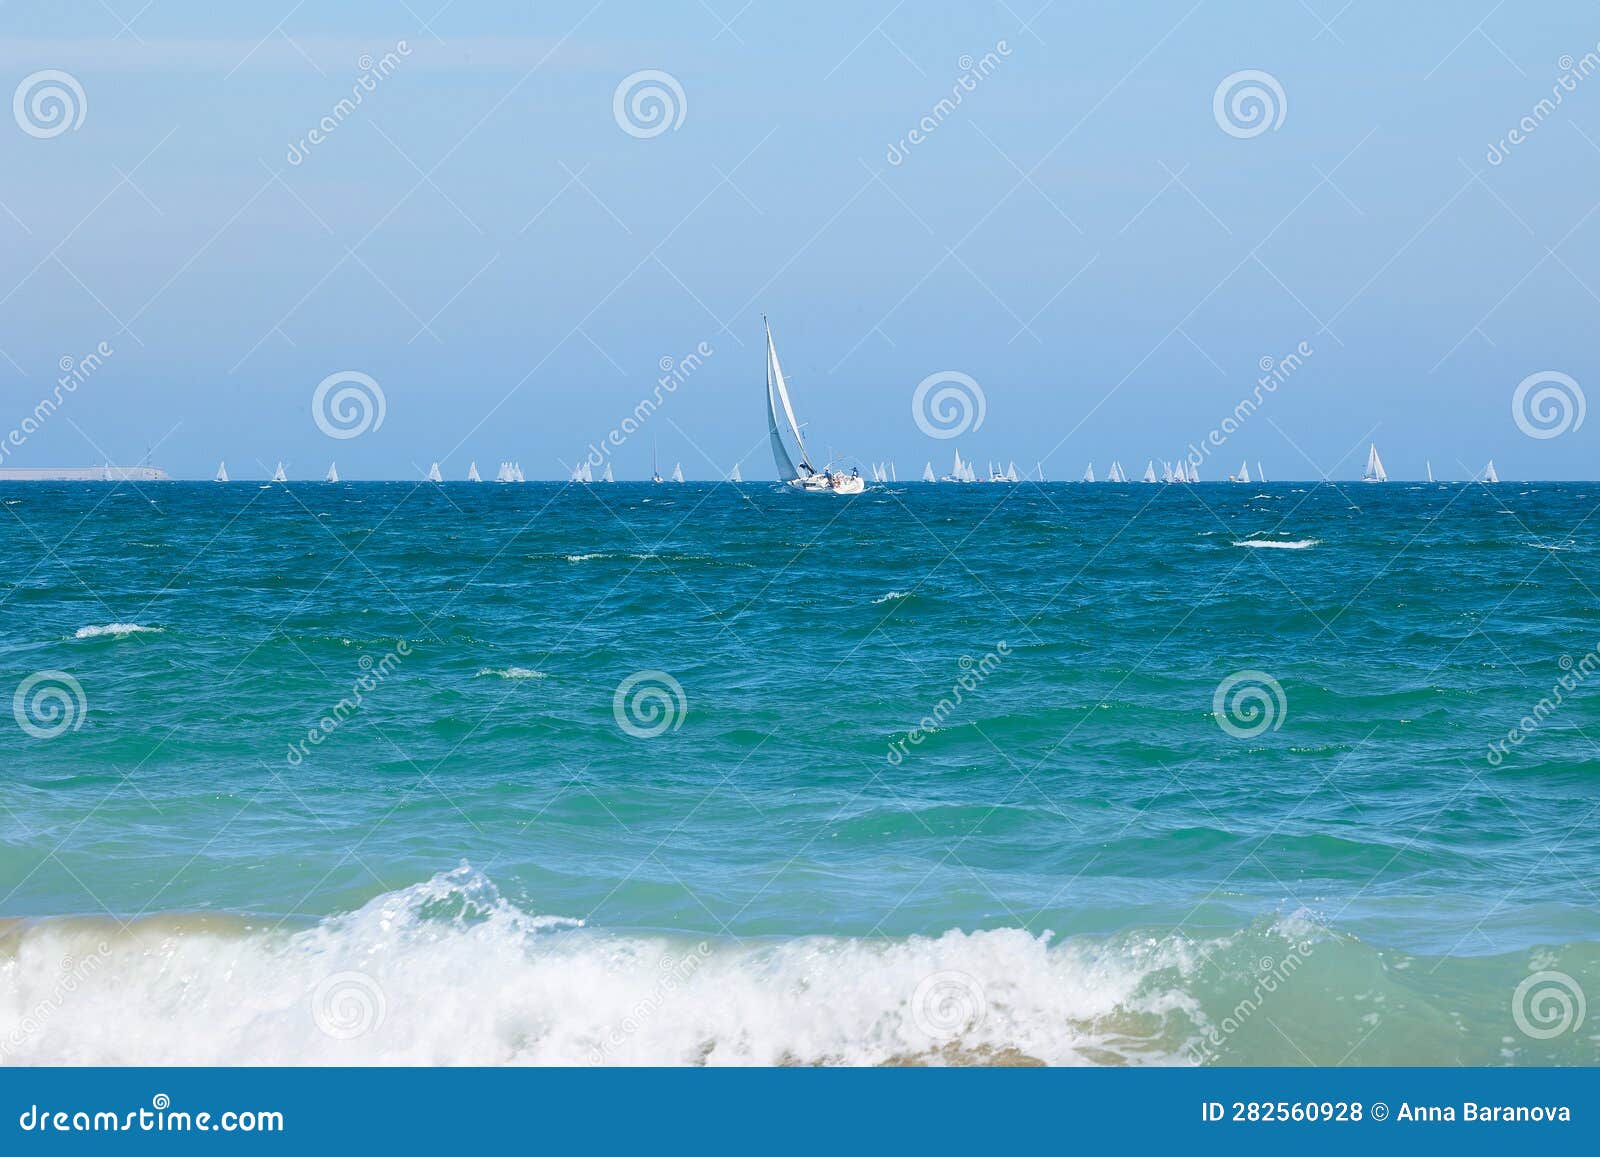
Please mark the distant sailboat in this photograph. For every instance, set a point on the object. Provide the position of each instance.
(1374, 471)
(1088, 473)
(222, 472)
(1011, 472)
(927, 473)
(1428, 466)
(472, 472)
(278, 475)
(1261, 475)
(517, 474)
(677, 471)
(734, 475)
(333, 473)
(606, 477)
(1149, 471)
(433, 473)
(1244, 473)
(1489, 474)
(1038, 470)
(1166, 471)
(893, 477)
(960, 471)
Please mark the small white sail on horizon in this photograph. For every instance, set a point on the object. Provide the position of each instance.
(677, 471)
(1261, 475)
(433, 473)
(1427, 464)
(927, 473)
(606, 474)
(1149, 471)
(1374, 471)
(733, 475)
(472, 472)
(1088, 473)
(222, 472)
(1489, 473)
(1244, 473)
(278, 475)
(333, 473)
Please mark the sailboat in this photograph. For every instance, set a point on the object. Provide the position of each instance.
(1038, 469)
(606, 477)
(803, 476)
(960, 471)
(278, 475)
(1428, 465)
(1244, 473)
(1011, 472)
(1374, 471)
(1261, 475)
(333, 473)
(433, 473)
(1149, 471)
(472, 472)
(677, 471)
(517, 474)
(927, 473)
(1088, 474)
(222, 472)
(655, 471)
(1489, 474)
(734, 475)
(893, 477)
(504, 473)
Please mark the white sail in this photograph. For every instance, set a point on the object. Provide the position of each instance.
(778, 398)
(927, 473)
(222, 472)
(1489, 474)
(893, 477)
(1011, 472)
(677, 471)
(606, 475)
(1150, 470)
(1261, 475)
(1038, 469)
(278, 475)
(1374, 471)
(1166, 470)
(333, 473)
(1428, 465)
(1088, 473)
(433, 473)
(1244, 472)
(472, 472)
(733, 475)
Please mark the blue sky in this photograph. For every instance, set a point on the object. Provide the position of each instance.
(1080, 236)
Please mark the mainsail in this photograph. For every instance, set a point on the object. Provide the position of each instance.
(333, 473)
(1489, 474)
(733, 475)
(778, 397)
(222, 472)
(1244, 472)
(278, 475)
(1088, 474)
(1374, 471)
(927, 473)
(433, 473)
(472, 472)
(677, 472)
(1150, 470)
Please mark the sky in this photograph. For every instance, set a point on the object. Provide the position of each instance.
(509, 250)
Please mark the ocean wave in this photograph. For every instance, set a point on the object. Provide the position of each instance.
(513, 673)
(891, 595)
(118, 629)
(1279, 544)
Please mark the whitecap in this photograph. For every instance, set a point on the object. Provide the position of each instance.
(118, 629)
(891, 595)
(513, 673)
(584, 557)
(1278, 544)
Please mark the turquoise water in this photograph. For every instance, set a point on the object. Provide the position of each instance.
(938, 774)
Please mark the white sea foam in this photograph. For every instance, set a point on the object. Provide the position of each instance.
(117, 629)
(448, 972)
(584, 557)
(513, 673)
(891, 595)
(1279, 544)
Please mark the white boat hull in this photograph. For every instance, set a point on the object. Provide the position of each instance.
(841, 484)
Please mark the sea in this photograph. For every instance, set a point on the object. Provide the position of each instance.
(389, 773)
